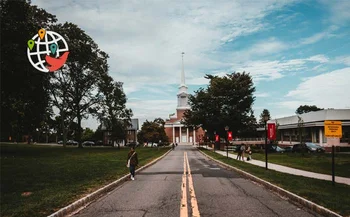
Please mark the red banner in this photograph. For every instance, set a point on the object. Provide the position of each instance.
(217, 139)
(271, 131)
(229, 135)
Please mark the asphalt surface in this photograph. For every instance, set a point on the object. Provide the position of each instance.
(157, 191)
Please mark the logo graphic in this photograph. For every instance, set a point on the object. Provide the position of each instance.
(47, 51)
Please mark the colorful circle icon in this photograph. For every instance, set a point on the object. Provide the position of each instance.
(47, 51)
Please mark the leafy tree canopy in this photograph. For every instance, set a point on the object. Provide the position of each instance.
(307, 108)
(24, 98)
(264, 113)
(152, 131)
(227, 101)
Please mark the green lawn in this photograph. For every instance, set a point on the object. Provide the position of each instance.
(335, 198)
(314, 162)
(57, 176)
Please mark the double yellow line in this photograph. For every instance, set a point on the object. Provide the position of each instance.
(194, 205)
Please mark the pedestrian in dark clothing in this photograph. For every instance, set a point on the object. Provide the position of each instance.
(239, 153)
(132, 162)
(173, 146)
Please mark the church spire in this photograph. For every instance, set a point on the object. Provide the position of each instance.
(182, 96)
(183, 71)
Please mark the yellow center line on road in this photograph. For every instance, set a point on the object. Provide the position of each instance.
(194, 204)
(183, 205)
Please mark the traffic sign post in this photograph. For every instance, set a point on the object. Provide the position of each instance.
(333, 129)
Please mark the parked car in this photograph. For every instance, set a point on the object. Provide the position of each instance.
(307, 147)
(72, 142)
(88, 143)
(99, 142)
(276, 148)
(288, 149)
(132, 144)
(60, 142)
(314, 147)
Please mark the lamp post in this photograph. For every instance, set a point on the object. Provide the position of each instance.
(226, 129)
(266, 118)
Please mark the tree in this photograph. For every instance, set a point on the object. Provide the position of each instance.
(112, 108)
(307, 108)
(264, 113)
(300, 128)
(77, 82)
(152, 131)
(24, 97)
(227, 101)
(88, 134)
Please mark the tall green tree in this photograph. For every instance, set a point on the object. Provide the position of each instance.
(307, 108)
(88, 134)
(227, 101)
(113, 112)
(24, 96)
(152, 131)
(78, 80)
(264, 113)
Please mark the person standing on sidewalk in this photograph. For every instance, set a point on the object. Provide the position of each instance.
(239, 153)
(249, 151)
(242, 151)
(132, 162)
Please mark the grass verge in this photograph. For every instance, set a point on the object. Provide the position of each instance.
(313, 162)
(321, 192)
(55, 176)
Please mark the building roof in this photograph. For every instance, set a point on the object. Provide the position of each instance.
(313, 119)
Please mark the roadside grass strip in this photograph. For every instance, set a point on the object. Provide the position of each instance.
(38, 180)
(335, 198)
(313, 162)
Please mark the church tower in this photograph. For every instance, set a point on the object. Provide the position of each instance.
(182, 96)
(176, 131)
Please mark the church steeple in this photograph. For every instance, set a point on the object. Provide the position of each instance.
(183, 71)
(182, 96)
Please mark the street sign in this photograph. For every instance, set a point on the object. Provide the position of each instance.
(333, 129)
(271, 131)
(229, 135)
(217, 138)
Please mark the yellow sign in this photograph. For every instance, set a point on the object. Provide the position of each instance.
(332, 129)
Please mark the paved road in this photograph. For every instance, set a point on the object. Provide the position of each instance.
(157, 191)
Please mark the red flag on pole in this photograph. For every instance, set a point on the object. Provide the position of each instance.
(271, 131)
(229, 135)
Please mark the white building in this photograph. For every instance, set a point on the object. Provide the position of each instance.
(313, 127)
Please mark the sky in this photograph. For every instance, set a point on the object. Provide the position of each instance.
(298, 52)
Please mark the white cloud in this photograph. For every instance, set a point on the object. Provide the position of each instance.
(339, 11)
(145, 39)
(150, 109)
(342, 60)
(319, 58)
(328, 33)
(329, 90)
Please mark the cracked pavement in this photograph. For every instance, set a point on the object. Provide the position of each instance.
(219, 192)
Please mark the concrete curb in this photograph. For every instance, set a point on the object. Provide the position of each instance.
(293, 197)
(81, 203)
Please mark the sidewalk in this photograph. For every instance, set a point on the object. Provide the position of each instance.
(288, 170)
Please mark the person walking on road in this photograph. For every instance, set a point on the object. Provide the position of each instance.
(173, 146)
(132, 162)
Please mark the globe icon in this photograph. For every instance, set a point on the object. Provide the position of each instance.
(48, 44)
